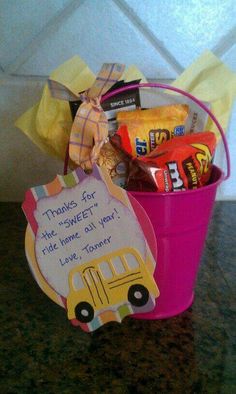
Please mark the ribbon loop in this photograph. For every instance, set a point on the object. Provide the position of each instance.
(90, 127)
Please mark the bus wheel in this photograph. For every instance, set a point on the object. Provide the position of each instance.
(138, 295)
(84, 312)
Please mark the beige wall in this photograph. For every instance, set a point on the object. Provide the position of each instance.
(22, 164)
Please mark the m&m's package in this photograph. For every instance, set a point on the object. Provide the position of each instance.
(176, 165)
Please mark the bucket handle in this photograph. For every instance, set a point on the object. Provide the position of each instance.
(193, 98)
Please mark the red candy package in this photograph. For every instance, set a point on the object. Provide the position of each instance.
(178, 164)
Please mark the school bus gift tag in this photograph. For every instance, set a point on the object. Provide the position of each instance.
(91, 248)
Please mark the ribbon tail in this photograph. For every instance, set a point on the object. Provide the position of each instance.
(90, 128)
(61, 92)
(109, 74)
(81, 137)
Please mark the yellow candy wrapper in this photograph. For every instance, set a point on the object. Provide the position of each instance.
(149, 128)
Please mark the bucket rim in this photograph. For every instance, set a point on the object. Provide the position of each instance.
(180, 193)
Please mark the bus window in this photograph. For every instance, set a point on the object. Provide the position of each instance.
(87, 278)
(131, 261)
(105, 270)
(77, 281)
(118, 265)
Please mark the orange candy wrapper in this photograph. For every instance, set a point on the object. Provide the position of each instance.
(141, 131)
(179, 164)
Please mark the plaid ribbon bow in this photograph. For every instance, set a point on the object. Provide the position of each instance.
(90, 127)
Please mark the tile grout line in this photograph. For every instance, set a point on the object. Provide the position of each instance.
(225, 43)
(11, 78)
(51, 26)
(148, 34)
(25, 77)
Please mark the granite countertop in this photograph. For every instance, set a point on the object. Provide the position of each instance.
(191, 353)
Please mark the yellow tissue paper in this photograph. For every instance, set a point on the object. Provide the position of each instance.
(211, 80)
(48, 124)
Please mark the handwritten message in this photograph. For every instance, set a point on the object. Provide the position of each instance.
(78, 225)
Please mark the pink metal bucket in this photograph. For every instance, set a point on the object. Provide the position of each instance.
(180, 221)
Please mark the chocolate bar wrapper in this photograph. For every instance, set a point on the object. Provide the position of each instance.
(177, 165)
(125, 101)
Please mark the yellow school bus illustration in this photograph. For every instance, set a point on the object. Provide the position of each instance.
(121, 276)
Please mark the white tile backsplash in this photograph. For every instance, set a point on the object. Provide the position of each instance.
(160, 37)
(228, 189)
(20, 22)
(187, 28)
(98, 32)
